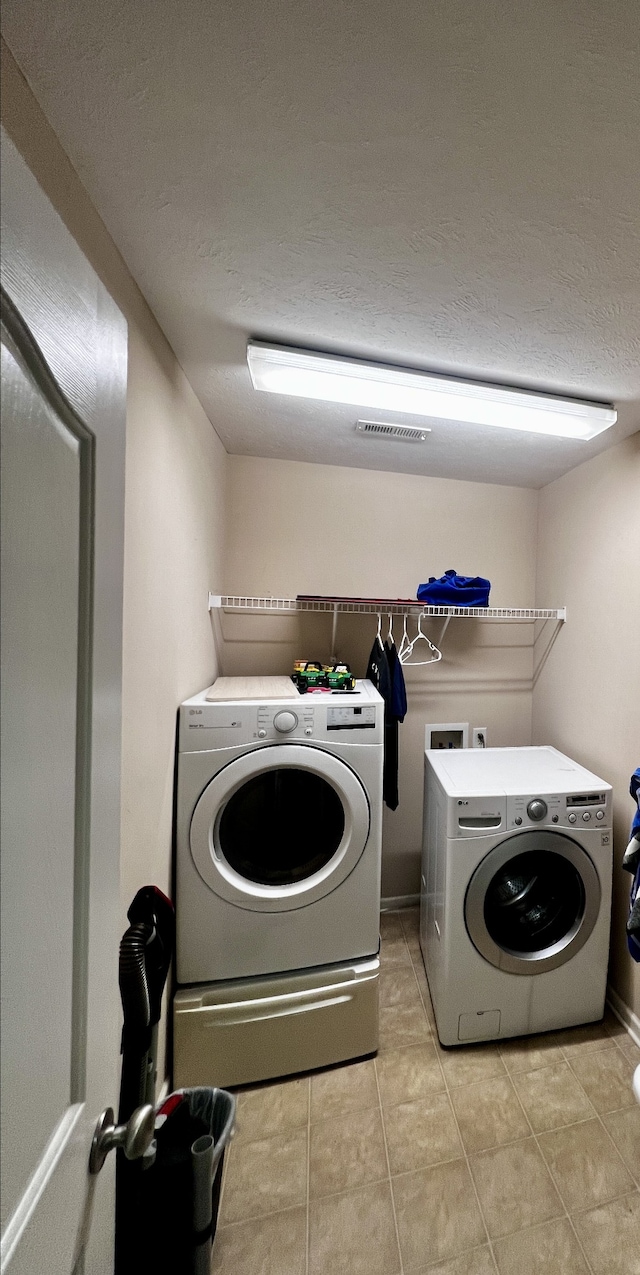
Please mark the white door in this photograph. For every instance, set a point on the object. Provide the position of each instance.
(64, 386)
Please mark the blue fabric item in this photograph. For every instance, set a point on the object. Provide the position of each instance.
(455, 591)
(398, 689)
(633, 934)
(634, 788)
(633, 938)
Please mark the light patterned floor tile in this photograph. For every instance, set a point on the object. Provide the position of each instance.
(421, 1133)
(437, 1213)
(274, 1245)
(585, 1165)
(612, 1025)
(271, 1109)
(423, 988)
(477, 1261)
(353, 1234)
(552, 1097)
(410, 918)
(551, 1249)
(526, 1053)
(394, 951)
(403, 1024)
(629, 1049)
(405, 1075)
(515, 1187)
(584, 1040)
(398, 986)
(606, 1077)
(624, 1128)
(391, 925)
(342, 1090)
(265, 1176)
(611, 1236)
(346, 1153)
(467, 1064)
(489, 1114)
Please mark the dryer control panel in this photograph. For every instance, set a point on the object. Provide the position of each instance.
(354, 717)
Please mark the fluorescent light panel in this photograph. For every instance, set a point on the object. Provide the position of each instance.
(305, 374)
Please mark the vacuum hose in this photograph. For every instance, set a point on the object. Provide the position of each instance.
(132, 976)
(136, 1031)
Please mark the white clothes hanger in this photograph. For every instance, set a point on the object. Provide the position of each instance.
(406, 657)
(379, 633)
(390, 637)
(404, 641)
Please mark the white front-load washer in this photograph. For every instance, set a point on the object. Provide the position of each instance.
(515, 901)
(278, 842)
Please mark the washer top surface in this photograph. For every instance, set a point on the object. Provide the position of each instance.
(511, 771)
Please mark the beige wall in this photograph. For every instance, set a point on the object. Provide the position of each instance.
(174, 516)
(299, 528)
(587, 699)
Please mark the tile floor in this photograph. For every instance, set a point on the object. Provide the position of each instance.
(519, 1159)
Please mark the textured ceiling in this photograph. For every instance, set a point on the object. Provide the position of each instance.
(452, 185)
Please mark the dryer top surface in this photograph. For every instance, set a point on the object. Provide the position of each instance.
(511, 771)
(365, 692)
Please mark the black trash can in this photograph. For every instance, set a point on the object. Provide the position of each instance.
(180, 1191)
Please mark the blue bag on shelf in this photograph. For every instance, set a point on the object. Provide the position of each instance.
(453, 590)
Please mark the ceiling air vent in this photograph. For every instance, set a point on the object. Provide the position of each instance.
(381, 429)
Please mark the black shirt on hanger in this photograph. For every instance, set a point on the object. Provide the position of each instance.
(380, 673)
(395, 715)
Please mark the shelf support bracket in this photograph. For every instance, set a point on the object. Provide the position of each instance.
(443, 631)
(334, 633)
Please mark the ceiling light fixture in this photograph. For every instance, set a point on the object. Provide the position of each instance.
(279, 369)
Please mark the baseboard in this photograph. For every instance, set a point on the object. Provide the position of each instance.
(625, 1015)
(397, 901)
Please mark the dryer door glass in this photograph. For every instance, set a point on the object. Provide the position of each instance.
(281, 826)
(533, 902)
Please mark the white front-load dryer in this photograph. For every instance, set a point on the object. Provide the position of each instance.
(516, 891)
(278, 844)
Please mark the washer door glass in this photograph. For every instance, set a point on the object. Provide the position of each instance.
(532, 902)
(280, 827)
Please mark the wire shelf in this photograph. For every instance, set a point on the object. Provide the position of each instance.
(386, 606)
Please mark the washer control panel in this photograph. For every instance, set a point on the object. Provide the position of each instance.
(537, 809)
(584, 810)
